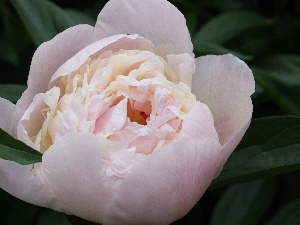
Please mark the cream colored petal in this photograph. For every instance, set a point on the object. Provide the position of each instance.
(184, 66)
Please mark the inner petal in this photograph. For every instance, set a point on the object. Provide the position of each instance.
(127, 96)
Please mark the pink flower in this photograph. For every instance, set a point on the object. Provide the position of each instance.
(132, 127)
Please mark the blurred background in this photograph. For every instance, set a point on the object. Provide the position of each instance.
(263, 33)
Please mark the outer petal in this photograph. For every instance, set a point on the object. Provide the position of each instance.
(157, 20)
(231, 144)
(7, 110)
(19, 181)
(49, 57)
(72, 170)
(224, 84)
(166, 185)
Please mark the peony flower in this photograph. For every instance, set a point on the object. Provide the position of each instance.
(132, 127)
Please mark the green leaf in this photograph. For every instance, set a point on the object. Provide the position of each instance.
(80, 18)
(244, 204)
(270, 147)
(227, 5)
(289, 64)
(289, 214)
(279, 76)
(268, 128)
(15, 150)
(78, 221)
(14, 211)
(11, 92)
(229, 25)
(191, 22)
(44, 20)
(255, 45)
(205, 48)
(282, 88)
(50, 217)
(7, 203)
(11, 44)
(282, 38)
(7, 53)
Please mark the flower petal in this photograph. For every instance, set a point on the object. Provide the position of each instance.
(19, 181)
(113, 119)
(198, 124)
(49, 57)
(166, 185)
(184, 66)
(113, 43)
(7, 110)
(72, 170)
(26, 130)
(225, 83)
(157, 20)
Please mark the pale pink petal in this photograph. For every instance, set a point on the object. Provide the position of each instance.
(68, 121)
(157, 20)
(73, 171)
(166, 185)
(7, 110)
(198, 124)
(49, 57)
(113, 43)
(231, 144)
(234, 140)
(113, 119)
(145, 144)
(19, 181)
(225, 83)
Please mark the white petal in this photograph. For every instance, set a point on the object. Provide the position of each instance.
(113, 43)
(7, 110)
(184, 66)
(166, 185)
(157, 20)
(49, 57)
(198, 124)
(225, 83)
(113, 119)
(73, 172)
(19, 181)
(27, 129)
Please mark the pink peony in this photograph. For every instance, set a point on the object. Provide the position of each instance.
(132, 127)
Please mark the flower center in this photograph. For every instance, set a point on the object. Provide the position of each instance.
(136, 115)
(128, 96)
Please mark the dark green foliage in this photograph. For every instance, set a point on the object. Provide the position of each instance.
(15, 150)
